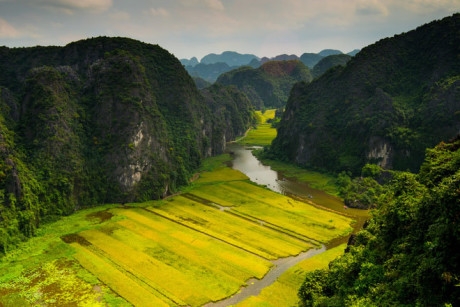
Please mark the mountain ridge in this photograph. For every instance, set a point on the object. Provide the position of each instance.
(100, 120)
(267, 86)
(392, 100)
(217, 64)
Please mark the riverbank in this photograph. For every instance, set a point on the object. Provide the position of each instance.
(183, 250)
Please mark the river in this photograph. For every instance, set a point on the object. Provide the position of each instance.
(244, 161)
(247, 163)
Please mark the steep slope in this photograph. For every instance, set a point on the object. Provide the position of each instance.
(99, 120)
(393, 100)
(310, 59)
(407, 255)
(269, 85)
(328, 62)
(233, 110)
(231, 58)
(209, 72)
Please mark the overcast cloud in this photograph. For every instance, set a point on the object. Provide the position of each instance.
(189, 28)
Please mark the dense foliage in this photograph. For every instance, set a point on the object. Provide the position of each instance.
(328, 62)
(234, 112)
(100, 120)
(209, 72)
(363, 192)
(393, 100)
(269, 85)
(408, 253)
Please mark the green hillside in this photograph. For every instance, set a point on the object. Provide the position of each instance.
(101, 120)
(267, 86)
(408, 253)
(393, 99)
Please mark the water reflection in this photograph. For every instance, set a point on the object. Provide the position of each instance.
(247, 163)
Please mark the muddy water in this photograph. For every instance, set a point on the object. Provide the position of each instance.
(247, 163)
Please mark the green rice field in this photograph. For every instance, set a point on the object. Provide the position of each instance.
(198, 247)
(264, 133)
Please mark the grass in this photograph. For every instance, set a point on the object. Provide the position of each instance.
(263, 134)
(283, 292)
(187, 250)
(249, 235)
(43, 270)
(116, 279)
(316, 180)
(286, 214)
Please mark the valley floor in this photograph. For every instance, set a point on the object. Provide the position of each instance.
(197, 248)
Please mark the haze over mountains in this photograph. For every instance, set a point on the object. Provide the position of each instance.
(117, 120)
(212, 65)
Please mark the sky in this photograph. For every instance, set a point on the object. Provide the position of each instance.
(195, 28)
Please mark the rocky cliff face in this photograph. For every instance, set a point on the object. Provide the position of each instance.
(393, 100)
(100, 120)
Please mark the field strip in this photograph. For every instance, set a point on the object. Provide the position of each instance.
(258, 285)
(211, 197)
(204, 201)
(211, 268)
(277, 228)
(169, 233)
(299, 223)
(120, 281)
(295, 215)
(248, 233)
(216, 236)
(255, 220)
(152, 271)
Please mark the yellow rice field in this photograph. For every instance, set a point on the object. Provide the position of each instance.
(283, 292)
(191, 249)
(201, 246)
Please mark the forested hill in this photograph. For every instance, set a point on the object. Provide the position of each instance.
(394, 99)
(100, 120)
(267, 86)
(407, 255)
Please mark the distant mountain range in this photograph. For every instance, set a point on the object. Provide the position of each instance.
(267, 86)
(213, 65)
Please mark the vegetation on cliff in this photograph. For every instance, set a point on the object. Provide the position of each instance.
(393, 100)
(407, 255)
(269, 85)
(328, 62)
(101, 120)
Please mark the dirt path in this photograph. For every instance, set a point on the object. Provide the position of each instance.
(256, 285)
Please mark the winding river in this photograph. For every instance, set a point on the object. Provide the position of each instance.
(247, 163)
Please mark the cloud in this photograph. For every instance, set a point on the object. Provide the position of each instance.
(159, 12)
(120, 16)
(215, 5)
(69, 6)
(371, 7)
(204, 4)
(7, 30)
(425, 6)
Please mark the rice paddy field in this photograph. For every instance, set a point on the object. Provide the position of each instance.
(264, 133)
(192, 249)
(283, 292)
